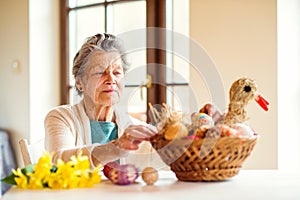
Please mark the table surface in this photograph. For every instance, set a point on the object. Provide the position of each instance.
(248, 184)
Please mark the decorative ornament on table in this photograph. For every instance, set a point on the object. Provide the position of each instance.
(242, 91)
(242, 130)
(177, 129)
(213, 152)
(202, 121)
(149, 175)
(120, 174)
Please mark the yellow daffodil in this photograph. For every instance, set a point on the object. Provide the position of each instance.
(72, 174)
(80, 162)
(43, 166)
(55, 181)
(95, 176)
(20, 179)
(35, 183)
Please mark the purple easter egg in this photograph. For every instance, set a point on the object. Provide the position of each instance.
(121, 174)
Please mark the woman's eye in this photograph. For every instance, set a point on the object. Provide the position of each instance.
(118, 73)
(99, 73)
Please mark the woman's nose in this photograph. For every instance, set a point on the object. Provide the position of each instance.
(110, 79)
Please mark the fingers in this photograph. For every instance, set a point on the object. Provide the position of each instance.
(123, 144)
(134, 135)
(208, 109)
(140, 132)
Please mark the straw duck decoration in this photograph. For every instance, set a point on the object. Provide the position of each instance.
(204, 150)
(241, 93)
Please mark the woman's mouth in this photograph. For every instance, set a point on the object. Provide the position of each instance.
(108, 91)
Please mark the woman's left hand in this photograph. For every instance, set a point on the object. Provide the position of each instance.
(134, 135)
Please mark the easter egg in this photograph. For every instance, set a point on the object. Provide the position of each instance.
(202, 120)
(178, 130)
(120, 174)
(226, 130)
(109, 167)
(243, 130)
(149, 175)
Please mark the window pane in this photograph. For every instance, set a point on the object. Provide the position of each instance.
(134, 101)
(121, 19)
(82, 24)
(177, 21)
(179, 98)
(177, 69)
(127, 16)
(178, 66)
(135, 97)
(136, 74)
(75, 3)
(181, 17)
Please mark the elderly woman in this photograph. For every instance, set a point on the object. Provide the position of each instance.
(95, 126)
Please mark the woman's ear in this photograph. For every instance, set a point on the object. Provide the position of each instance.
(79, 84)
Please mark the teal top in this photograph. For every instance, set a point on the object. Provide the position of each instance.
(103, 132)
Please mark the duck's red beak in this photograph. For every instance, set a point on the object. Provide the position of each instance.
(262, 102)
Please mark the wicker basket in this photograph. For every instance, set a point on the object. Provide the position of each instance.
(204, 159)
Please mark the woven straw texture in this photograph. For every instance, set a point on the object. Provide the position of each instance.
(204, 159)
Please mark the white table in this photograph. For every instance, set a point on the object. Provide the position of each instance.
(248, 184)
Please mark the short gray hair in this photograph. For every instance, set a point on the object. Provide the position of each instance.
(99, 42)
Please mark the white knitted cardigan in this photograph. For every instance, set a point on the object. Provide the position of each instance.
(68, 131)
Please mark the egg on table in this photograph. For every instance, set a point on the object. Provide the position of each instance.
(149, 175)
(120, 174)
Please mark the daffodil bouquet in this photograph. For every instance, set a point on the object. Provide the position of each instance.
(75, 173)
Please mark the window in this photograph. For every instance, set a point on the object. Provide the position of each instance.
(167, 72)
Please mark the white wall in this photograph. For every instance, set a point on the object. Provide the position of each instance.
(44, 63)
(240, 38)
(29, 35)
(289, 84)
(14, 85)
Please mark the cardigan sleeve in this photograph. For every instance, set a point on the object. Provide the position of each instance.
(61, 135)
(65, 136)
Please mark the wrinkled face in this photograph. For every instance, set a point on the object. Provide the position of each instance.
(103, 78)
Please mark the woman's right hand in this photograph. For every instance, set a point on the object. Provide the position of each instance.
(134, 135)
(130, 140)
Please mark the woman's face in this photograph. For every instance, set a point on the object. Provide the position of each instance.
(103, 79)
